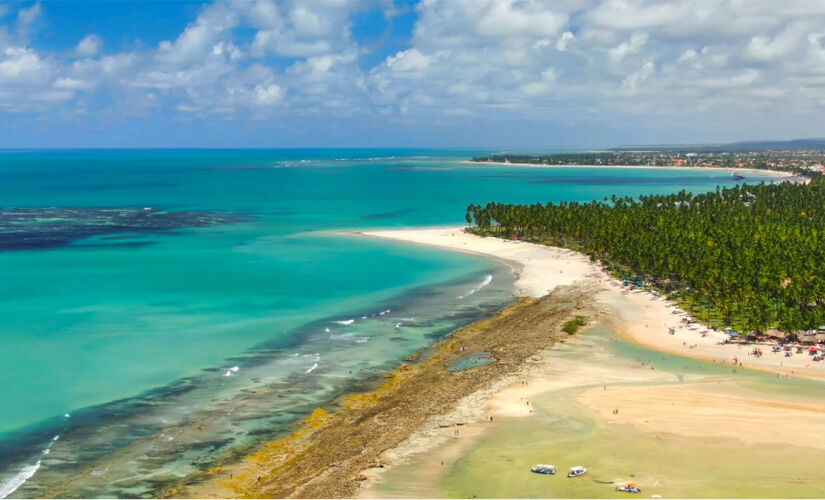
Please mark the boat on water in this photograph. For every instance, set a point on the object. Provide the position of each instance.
(738, 177)
(577, 471)
(543, 469)
(629, 488)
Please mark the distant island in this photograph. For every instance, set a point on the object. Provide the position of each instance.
(808, 162)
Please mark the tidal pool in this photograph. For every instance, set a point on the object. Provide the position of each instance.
(685, 429)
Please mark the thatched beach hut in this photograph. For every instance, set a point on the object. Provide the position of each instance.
(775, 334)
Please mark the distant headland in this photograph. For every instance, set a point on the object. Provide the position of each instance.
(801, 156)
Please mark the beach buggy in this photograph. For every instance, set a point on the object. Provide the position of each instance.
(543, 469)
(629, 488)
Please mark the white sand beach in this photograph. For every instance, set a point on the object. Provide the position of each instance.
(785, 176)
(638, 316)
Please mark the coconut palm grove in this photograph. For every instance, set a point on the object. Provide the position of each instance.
(746, 257)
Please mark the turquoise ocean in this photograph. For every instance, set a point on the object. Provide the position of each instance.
(164, 310)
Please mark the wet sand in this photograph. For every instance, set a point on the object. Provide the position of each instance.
(681, 431)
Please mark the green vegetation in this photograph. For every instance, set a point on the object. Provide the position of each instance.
(574, 324)
(801, 162)
(748, 257)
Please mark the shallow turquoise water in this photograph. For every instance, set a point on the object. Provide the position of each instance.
(108, 318)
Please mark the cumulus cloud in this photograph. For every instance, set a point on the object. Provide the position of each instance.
(465, 60)
(27, 16)
(300, 29)
(409, 60)
(72, 84)
(564, 39)
(764, 48)
(18, 64)
(630, 47)
(268, 94)
(632, 81)
(90, 46)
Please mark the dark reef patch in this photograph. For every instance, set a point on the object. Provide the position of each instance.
(387, 215)
(106, 187)
(54, 227)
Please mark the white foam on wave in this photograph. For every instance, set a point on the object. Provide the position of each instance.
(487, 281)
(231, 371)
(345, 322)
(349, 337)
(398, 325)
(384, 312)
(16, 481)
(311, 368)
(26, 472)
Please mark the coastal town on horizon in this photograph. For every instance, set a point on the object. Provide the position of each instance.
(412, 249)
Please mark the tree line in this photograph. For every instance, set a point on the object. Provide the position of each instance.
(749, 257)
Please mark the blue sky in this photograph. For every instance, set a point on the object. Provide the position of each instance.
(384, 73)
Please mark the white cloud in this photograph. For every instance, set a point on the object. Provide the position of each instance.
(541, 43)
(688, 55)
(542, 87)
(632, 81)
(27, 16)
(409, 60)
(507, 18)
(764, 48)
(72, 84)
(90, 46)
(300, 29)
(187, 108)
(466, 60)
(628, 15)
(743, 79)
(564, 39)
(200, 37)
(268, 94)
(630, 47)
(229, 49)
(22, 65)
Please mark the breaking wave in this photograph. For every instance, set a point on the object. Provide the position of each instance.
(349, 337)
(10, 485)
(487, 281)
